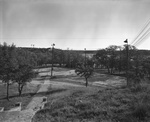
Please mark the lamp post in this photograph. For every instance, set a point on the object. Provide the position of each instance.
(68, 64)
(85, 57)
(52, 59)
(32, 45)
(127, 70)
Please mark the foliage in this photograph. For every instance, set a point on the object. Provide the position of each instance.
(8, 64)
(16, 66)
(114, 58)
(84, 71)
(24, 73)
(68, 58)
(108, 57)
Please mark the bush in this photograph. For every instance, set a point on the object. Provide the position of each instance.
(140, 111)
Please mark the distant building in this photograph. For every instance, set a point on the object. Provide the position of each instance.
(89, 53)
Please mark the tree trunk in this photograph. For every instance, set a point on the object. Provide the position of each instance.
(119, 71)
(108, 69)
(86, 82)
(60, 64)
(111, 71)
(20, 88)
(8, 90)
(19, 92)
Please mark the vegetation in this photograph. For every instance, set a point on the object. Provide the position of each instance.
(67, 58)
(114, 58)
(8, 64)
(16, 66)
(94, 104)
(24, 73)
(84, 71)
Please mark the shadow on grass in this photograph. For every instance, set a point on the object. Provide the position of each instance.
(41, 78)
(50, 92)
(36, 94)
(44, 71)
(117, 74)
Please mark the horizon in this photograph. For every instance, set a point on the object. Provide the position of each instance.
(72, 49)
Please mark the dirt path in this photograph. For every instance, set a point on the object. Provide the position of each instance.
(27, 114)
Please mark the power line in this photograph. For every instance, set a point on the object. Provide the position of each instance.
(140, 37)
(143, 38)
(142, 30)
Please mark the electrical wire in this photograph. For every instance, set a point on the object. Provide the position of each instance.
(143, 38)
(140, 33)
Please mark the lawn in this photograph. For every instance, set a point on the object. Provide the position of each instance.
(27, 94)
(95, 78)
(93, 104)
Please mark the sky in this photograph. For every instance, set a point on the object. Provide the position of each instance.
(73, 24)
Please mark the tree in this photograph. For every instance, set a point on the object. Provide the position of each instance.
(102, 58)
(119, 60)
(8, 64)
(108, 57)
(112, 57)
(84, 71)
(24, 73)
(129, 55)
(146, 66)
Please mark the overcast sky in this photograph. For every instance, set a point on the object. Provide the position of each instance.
(73, 24)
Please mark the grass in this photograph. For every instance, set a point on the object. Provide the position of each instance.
(94, 78)
(28, 92)
(94, 104)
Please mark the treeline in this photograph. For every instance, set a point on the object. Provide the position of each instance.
(66, 58)
(116, 59)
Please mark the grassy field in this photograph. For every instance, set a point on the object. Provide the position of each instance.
(27, 94)
(96, 104)
(96, 78)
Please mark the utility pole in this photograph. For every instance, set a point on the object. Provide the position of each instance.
(52, 60)
(120, 60)
(127, 70)
(85, 57)
(68, 58)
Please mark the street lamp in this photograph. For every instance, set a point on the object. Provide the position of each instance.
(127, 70)
(52, 59)
(68, 58)
(32, 45)
(85, 57)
